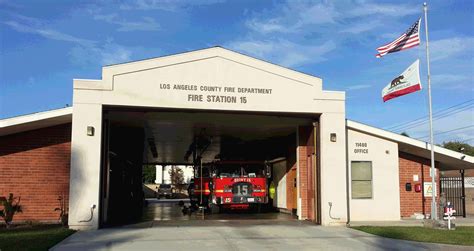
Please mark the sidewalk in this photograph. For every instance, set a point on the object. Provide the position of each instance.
(460, 222)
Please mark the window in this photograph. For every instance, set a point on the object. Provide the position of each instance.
(361, 178)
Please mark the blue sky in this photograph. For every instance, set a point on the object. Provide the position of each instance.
(45, 44)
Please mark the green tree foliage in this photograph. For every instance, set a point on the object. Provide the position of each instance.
(459, 147)
(405, 134)
(149, 174)
(177, 178)
(11, 205)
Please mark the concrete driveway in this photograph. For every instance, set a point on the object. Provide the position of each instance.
(242, 235)
(164, 227)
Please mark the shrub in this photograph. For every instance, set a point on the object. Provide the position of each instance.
(63, 210)
(11, 205)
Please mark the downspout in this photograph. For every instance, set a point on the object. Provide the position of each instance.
(348, 200)
(298, 190)
(317, 166)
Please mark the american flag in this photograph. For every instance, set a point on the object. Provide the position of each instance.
(409, 39)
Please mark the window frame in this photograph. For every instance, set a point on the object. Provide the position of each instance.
(371, 181)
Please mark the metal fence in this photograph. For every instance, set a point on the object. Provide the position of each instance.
(453, 188)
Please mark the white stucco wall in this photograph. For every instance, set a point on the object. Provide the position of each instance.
(140, 84)
(333, 169)
(85, 163)
(385, 202)
(279, 179)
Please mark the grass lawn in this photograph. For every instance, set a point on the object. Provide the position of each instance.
(39, 237)
(460, 236)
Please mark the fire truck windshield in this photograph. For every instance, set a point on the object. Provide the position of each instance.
(241, 170)
(205, 172)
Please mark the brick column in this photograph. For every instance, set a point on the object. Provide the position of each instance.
(306, 171)
(410, 201)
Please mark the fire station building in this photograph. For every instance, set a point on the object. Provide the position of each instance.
(326, 169)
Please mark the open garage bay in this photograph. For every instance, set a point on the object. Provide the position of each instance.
(134, 138)
(168, 213)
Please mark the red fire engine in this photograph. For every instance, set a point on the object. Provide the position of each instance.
(200, 193)
(232, 184)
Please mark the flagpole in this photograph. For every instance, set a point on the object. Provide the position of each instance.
(433, 174)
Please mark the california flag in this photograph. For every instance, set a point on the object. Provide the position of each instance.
(405, 83)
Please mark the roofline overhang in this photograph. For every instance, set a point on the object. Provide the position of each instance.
(35, 121)
(410, 143)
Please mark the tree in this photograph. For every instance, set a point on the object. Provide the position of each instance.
(405, 134)
(459, 146)
(11, 205)
(177, 178)
(149, 174)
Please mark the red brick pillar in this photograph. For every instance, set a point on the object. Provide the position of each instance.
(306, 159)
(411, 201)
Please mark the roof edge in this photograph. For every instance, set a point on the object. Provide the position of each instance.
(33, 117)
(406, 140)
(217, 51)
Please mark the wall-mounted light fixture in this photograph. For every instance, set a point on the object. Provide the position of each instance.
(333, 137)
(90, 131)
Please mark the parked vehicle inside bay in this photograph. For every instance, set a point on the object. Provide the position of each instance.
(165, 191)
(232, 185)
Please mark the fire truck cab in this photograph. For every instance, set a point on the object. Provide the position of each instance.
(234, 184)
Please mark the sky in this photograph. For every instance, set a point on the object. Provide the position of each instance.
(45, 44)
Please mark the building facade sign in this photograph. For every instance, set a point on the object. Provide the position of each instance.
(361, 147)
(215, 93)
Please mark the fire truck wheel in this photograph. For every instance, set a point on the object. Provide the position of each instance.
(215, 209)
(256, 208)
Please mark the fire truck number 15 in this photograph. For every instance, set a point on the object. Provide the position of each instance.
(242, 190)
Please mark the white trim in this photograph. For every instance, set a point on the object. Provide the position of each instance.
(88, 84)
(217, 51)
(109, 72)
(406, 140)
(35, 121)
(23, 119)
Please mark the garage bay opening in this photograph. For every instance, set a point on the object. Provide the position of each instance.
(189, 165)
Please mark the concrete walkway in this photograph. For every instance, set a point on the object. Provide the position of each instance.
(460, 222)
(237, 235)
